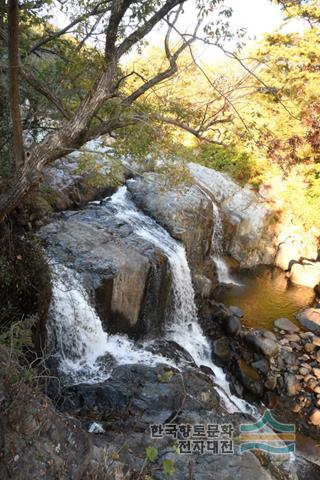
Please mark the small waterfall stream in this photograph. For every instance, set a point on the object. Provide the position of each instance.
(77, 329)
(217, 248)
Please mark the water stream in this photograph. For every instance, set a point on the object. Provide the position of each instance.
(76, 333)
(223, 272)
(82, 342)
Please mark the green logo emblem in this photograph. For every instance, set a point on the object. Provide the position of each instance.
(269, 435)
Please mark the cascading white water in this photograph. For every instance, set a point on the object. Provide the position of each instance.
(75, 332)
(183, 327)
(80, 339)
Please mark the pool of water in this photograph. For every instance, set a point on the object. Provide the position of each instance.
(265, 294)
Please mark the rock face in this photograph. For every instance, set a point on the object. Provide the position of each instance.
(307, 274)
(185, 212)
(296, 243)
(256, 229)
(154, 398)
(129, 279)
(310, 319)
(245, 214)
(67, 187)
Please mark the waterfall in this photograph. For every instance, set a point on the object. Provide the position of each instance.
(75, 332)
(217, 248)
(217, 243)
(87, 353)
(183, 326)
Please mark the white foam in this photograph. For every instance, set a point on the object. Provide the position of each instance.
(76, 330)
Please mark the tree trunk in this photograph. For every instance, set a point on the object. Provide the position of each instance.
(54, 146)
(14, 99)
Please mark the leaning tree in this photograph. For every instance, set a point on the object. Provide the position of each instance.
(114, 28)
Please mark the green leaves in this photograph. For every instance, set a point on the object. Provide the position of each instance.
(151, 453)
(166, 376)
(168, 467)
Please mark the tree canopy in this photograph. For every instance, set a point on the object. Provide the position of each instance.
(254, 113)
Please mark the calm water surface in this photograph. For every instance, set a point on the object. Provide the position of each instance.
(265, 295)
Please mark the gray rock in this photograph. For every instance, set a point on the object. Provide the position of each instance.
(268, 334)
(288, 357)
(68, 188)
(261, 365)
(128, 277)
(249, 238)
(232, 326)
(310, 319)
(185, 212)
(221, 348)
(286, 324)
(249, 377)
(236, 311)
(266, 346)
(293, 338)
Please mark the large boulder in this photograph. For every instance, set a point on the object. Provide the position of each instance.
(66, 187)
(295, 243)
(246, 216)
(186, 212)
(306, 274)
(310, 319)
(286, 325)
(127, 277)
(257, 227)
(262, 343)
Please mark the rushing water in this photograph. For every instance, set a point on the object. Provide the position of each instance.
(183, 326)
(78, 332)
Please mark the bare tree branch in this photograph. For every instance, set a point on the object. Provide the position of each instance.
(141, 32)
(101, 7)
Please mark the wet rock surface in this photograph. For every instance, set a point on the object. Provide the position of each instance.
(128, 277)
(182, 398)
(246, 217)
(280, 367)
(186, 214)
